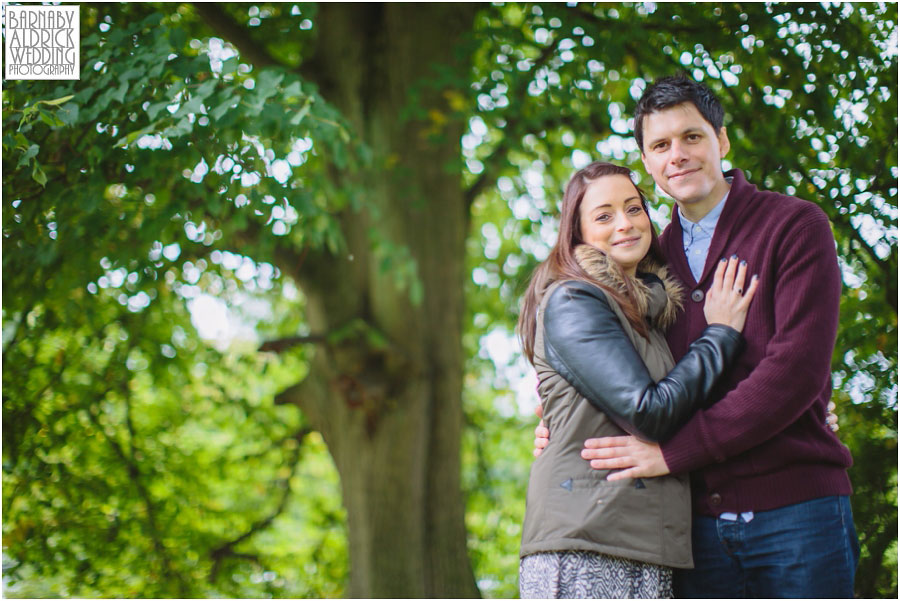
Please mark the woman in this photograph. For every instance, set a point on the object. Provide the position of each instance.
(592, 325)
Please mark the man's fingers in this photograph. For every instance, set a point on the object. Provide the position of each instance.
(614, 463)
(606, 442)
(541, 431)
(623, 475)
(541, 443)
(605, 453)
(539, 411)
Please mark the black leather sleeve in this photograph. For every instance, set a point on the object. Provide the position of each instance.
(585, 342)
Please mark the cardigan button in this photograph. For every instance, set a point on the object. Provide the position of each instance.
(715, 499)
(697, 295)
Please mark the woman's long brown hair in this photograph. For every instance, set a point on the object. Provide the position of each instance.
(562, 265)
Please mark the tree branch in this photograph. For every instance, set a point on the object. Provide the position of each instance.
(135, 476)
(282, 344)
(220, 21)
(251, 50)
(227, 549)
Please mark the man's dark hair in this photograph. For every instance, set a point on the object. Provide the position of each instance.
(667, 92)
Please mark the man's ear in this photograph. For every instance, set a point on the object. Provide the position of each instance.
(724, 143)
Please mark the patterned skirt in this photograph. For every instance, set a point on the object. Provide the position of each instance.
(589, 575)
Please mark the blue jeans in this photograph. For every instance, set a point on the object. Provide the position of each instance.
(805, 550)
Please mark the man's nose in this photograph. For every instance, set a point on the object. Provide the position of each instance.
(677, 152)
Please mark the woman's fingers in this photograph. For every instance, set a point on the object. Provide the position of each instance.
(748, 296)
(719, 276)
(728, 282)
(730, 277)
(738, 285)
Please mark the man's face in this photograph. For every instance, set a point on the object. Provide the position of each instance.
(683, 154)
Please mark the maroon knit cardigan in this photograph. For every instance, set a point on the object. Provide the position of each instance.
(764, 444)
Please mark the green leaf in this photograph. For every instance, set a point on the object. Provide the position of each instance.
(223, 108)
(50, 118)
(21, 141)
(292, 91)
(131, 137)
(268, 82)
(68, 113)
(183, 127)
(29, 154)
(191, 107)
(38, 175)
(154, 109)
(178, 38)
(28, 114)
(205, 89)
(120, 92)
(297, 117)
(57, 101)
(230, 65)
(131, 74)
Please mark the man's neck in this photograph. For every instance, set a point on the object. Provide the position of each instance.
(696, 211)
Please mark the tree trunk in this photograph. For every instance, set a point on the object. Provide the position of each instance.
(391, 412)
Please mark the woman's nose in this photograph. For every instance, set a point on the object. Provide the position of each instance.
(623, 223)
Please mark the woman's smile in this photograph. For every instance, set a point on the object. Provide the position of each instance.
(627, 242)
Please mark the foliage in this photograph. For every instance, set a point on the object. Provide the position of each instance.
(165, 182)
(128, 441)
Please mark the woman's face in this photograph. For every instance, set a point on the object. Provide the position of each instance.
(613, 220)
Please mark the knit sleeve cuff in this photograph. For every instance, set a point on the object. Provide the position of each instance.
(688, 449)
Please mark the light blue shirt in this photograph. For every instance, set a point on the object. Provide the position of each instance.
(698, 236)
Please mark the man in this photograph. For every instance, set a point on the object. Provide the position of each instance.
(770, 488)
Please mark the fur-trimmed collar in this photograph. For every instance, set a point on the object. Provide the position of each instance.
(660, 303)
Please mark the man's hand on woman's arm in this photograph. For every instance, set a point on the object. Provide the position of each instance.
(831, 419)
(592, 450)
(632, 456)
(541, 433)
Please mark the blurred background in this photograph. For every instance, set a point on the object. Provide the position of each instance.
(261, 267)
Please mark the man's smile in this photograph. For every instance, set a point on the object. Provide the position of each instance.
(681, 174)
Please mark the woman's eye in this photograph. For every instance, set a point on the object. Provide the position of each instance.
(634, 210)
(602, 218)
